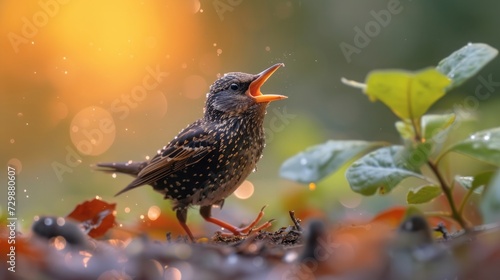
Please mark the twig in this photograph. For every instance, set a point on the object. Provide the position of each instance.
(455, 214)
(295, 221)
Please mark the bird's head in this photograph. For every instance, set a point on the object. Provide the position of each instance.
(236, 94)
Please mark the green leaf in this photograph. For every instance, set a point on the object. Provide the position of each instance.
(416, 156)
(319, 161)
(409, 95)
(405, 130)
(436, 125)
(466, 62)
(465, 181)
(381, 170)
(423, 194)
(475, 183)
(483, 145)
(490, 203)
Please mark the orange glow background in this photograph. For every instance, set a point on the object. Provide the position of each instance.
(92, 81)
(86, 81)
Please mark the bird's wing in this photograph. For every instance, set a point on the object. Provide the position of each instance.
(189, 147)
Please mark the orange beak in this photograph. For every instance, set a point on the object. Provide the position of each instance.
(254, 88)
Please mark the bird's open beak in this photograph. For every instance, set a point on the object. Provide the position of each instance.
(254, 89)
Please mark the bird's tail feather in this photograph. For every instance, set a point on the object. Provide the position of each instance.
(130, 168)
(128, 188)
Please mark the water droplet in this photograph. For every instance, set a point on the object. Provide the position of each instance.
(303, 161)
(486, 137)
(472, 137)
(12, 141)
(268, 48)
(232, 259)
(219, 52)
(20, 114)
(113, 175)
(48, 221)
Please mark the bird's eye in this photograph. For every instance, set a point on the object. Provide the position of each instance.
(234, 86)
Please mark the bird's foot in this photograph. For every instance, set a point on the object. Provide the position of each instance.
(249, 228)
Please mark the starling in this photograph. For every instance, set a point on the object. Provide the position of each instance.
(209, 159)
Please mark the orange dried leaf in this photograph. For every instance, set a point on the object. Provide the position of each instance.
(391, 217)
(96, 216)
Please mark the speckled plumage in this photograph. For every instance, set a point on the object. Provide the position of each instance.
(209, 159)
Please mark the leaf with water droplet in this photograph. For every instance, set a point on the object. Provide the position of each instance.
(382, 170)
(475, 183)
(408, 94)
(483, 145)
(466, 62)
(423, 194)
(319, 161)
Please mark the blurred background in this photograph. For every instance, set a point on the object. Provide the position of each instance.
(97, 81)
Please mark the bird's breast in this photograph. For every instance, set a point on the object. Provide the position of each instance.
(236, 151)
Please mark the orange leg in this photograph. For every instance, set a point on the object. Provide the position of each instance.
(206, 213)
(182, 217)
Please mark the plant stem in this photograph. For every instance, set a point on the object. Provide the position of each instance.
(416, 128)
(455, 214)
(464, 201)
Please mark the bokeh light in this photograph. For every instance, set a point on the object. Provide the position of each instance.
(92, 131)
(245, 190)
(84, 82)
(154, 212)
(16, 163)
